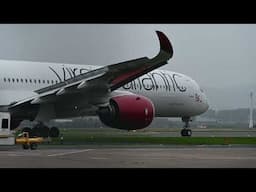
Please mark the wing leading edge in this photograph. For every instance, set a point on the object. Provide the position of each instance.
(105, 79)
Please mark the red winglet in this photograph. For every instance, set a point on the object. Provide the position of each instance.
(165, 44)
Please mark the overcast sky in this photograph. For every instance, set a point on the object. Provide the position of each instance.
(220, 57)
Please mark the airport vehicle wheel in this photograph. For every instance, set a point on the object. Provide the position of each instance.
(33, 146)
(25, 146)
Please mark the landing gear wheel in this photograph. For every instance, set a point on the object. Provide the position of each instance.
(186, 132)
(54, 132)
(40, 130)
(183, 132)
(189, 132)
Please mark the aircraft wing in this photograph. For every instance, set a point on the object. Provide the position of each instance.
(105, 79)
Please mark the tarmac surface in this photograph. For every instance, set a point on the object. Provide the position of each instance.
(129, 157)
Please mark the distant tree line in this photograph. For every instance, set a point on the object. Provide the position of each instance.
(233, 115)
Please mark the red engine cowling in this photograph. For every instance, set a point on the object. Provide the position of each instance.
(128, 112)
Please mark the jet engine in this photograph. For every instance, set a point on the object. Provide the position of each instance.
(129, 112)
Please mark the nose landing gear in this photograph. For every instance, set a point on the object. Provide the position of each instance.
(186, 132)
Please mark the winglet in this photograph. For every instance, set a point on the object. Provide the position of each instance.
(165, 44)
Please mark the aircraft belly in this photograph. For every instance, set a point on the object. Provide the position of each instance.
(74, 110)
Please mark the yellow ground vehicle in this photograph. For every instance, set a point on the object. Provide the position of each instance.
(28, 142)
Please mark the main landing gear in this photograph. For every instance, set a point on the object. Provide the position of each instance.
(186, 131)
(41, 130)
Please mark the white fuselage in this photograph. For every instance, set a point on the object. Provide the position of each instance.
(173, 94)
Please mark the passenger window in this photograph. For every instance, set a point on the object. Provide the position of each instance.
(13, 80)
(21, 80)
(30, 80)
(39, 81)
(26, 80)
(43, 81)
(48, 81)
(9, 79)
(34, 80)
(17, 80)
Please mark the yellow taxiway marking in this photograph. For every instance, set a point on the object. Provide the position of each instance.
(67, 153)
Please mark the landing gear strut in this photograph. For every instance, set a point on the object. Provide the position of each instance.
(186, 131)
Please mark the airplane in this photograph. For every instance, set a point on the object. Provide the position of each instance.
(126, 95)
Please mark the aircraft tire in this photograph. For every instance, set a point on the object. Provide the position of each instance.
(189, 132)
(186, 132)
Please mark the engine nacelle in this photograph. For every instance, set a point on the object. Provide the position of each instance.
(129, 112)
